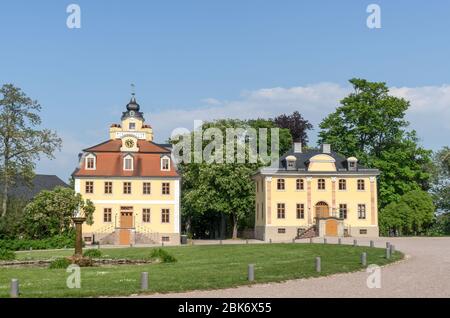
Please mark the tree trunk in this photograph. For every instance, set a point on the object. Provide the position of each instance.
(223, 225)
(4, 196)
(235, 226)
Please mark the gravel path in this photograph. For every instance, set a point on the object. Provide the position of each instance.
(424, 273)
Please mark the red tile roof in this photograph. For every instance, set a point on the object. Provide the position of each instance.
(114, 145)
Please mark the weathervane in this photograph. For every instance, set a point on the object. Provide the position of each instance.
(133, 93)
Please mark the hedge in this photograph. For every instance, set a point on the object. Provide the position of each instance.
(58, 241)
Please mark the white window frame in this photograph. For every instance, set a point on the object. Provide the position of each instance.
(90, 156)
(131, 123)
(125, 165)
(162, 163)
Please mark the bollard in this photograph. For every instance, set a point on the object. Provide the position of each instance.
(270, 241)
(310, 240)
(388, 244)
(364, 259)
(355, 243)
(246, 241)
(131, 245)
(144, 280)
(372, 244)
(14, 288)
(192, 242)
(392, 249)
(162, 243)
(251, 272)
(220, 242)
(31, 248)
(388, 252)
(318, 265)
(339, 241)
(98, 246)
(324, 240)
(293, 240)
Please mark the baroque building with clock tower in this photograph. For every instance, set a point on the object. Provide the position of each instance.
(133, 183)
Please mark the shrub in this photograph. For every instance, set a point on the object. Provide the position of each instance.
(60, 263)
(6, 255)
(92, 253)
(162, 255)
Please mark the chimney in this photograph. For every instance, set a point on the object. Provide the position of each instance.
(326, 148)
(297, 147)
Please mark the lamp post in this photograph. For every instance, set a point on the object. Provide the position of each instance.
(78, 220)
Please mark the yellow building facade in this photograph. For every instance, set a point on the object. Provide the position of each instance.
(315, 193)
(133, 184)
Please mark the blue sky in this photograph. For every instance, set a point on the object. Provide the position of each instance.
(209, 59)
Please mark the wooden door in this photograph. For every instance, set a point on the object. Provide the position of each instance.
(126, 223)
(331, 228)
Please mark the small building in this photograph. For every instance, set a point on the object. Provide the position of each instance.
(315, 193)
(133, 184)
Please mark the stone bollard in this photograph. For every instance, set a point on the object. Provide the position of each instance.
(364, 259)
(324, 240)
(339, 241)
(388, 252)
(251, 272)
(144, 280)
(192, 242)
(355, 243)
(318, 265)
(162, 243)
(372, 244)
(31, 248)
(270, 241)
(14, 288)
(220, 242)
(392, 249)
(246, 241)
(293, 240)
(310, 240)
(388, 244)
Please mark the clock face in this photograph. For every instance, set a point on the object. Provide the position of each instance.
(129, 143)
(132, 113)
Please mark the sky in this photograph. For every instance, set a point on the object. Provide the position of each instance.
(202, 60)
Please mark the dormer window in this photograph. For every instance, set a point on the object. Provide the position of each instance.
(165, 164)
(128, 163)
(132, 126)
(290, 162)
(352, 164)
(90, 162)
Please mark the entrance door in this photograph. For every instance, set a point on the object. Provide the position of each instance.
(331, 227)
(322, 210)
(126, 223)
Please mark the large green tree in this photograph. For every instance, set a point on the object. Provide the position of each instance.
(441, 180)
(370, 124)
(50, 213)
(22, 141)
(213, 190)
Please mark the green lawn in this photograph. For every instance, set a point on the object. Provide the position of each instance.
(198, 267)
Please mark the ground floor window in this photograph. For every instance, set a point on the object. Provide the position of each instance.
(281, 211)
(165, 238)
(300, 211)
(361, 211)
(342, 211)
(165, 215)
(107, 215)
(363, 231)
(146, 215)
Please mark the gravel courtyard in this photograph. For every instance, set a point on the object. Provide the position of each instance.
(424, 273)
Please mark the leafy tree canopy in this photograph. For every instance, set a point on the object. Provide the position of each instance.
(297, 125)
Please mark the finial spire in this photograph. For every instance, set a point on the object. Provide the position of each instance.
(133, 91)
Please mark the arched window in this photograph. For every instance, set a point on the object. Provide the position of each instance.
(128, 163)
(165, 163)
(90, 162)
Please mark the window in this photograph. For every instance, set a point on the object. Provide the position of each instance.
(281, 231)
(146, 215)
(128, 163)
(107, 215)
(89, 187)
(291, 163)
(147, 188)
(87, 239)
(280, 184)
(300, 184)
(90, 162)
(165, 188)
(127, 188)
(321, 184)
(108, 187)
(361, 185)
(165, 239)
(165, 164)
(342, 184)
(343, 211)
(352, 164)
(361, 211)
(132, 126)
(165, 215)
(281, 213)
(300, 211)
(363, 231)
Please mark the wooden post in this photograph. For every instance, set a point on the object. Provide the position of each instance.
(79, 235)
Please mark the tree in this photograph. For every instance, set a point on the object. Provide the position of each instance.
(212, 191)
(21, 141)
(413, 214)
(297, 125)
(50, 213)
(441, 180)
(370, 125)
